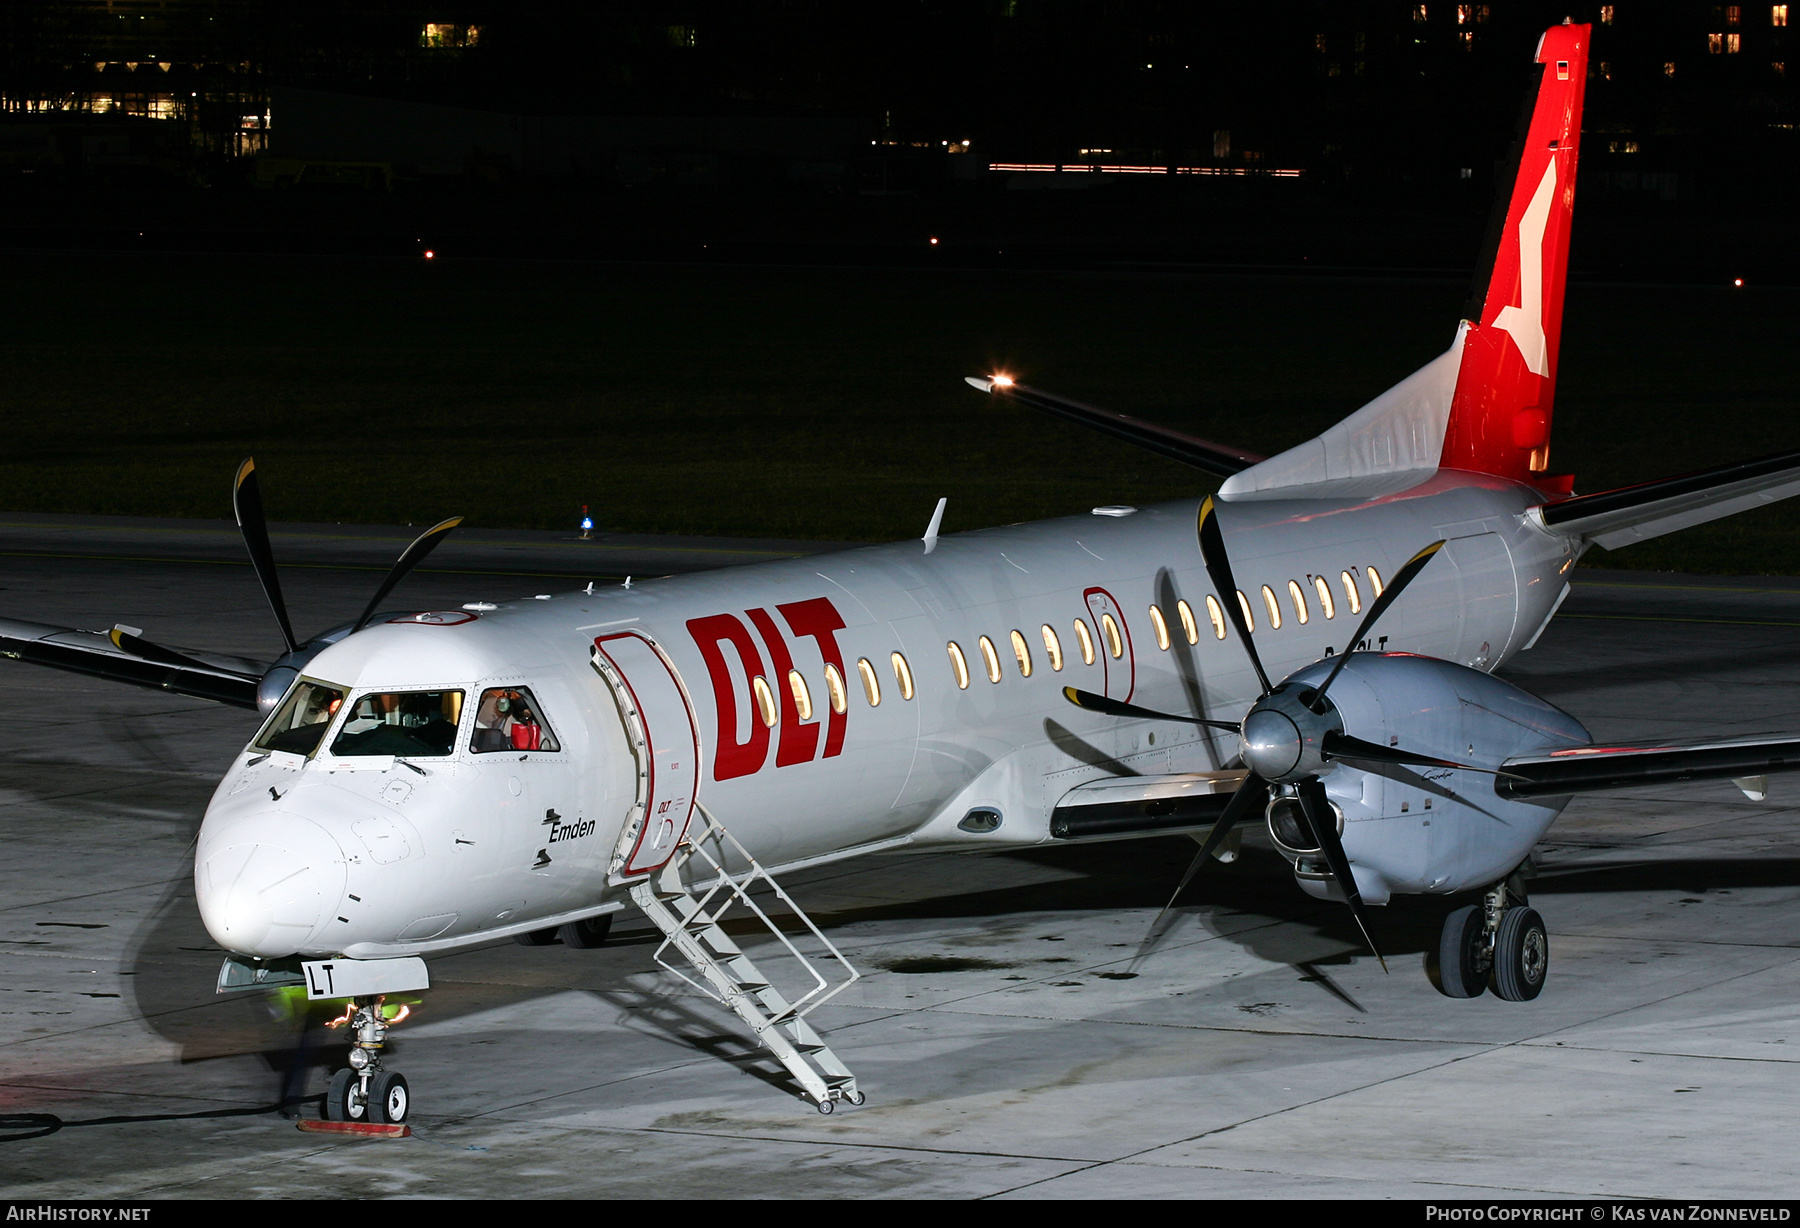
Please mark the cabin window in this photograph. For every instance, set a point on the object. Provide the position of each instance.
(1162, 628)
(903, 675)
(1324, 591)
(1053, 647)
(959, 664)
(1244, 606)
(300, 724)
(765, 700)
(802, 696)
(508, 718)
(1268, 596)
(1299, 600)
(1216, 616)
(834, 689)
(1021, 654)
(1188, 627)
(1375, 581)
(1351, 594)
(1115, 644)
(413, 723)
(871, 684)
(1086, 639)
(990, 659)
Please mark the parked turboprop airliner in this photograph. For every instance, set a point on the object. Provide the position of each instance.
(1312, 647)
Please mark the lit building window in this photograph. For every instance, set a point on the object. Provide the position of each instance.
(1734, 43)
(447, 34)
(1715, 43)
(1481, 14)
(1324, 591)
(1021, 654)
(959, 664)
(1115, 643)
(834, 687)
(1216, 617)
(1778, 14)
(1299, 600)
(1161, 628)
(1351, 595)
(1188, 627)
(1418, 12)
(1734, 14)
(1053, 648)
(765, 700)
(1668, 68)
(903, 675)
(1605, 70)
(871, 684)
(1268, 596)
(802, 696)
(1466, 38)
(1606, 14)
(1086, 639)
(990, 659)
(683, 36)
(1465, 13)
(1319, 43)
(1780, 67)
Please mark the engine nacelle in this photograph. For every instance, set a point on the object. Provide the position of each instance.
(1427, 829)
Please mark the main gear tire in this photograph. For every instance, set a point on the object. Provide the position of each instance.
(1521, 955)
(536, 938)
(587, 933)
(1462, 953)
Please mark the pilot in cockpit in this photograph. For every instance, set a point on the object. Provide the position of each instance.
(505, 720)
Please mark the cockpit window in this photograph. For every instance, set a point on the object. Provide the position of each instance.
(302, 720)
(409, 724)
(507, 718)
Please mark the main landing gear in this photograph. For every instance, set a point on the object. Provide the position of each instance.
(583, 935)
(364, 1091)
(1499, 942)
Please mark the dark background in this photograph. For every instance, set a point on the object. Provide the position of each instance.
(683, 265)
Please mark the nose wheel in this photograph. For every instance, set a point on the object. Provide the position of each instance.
(364, 1091)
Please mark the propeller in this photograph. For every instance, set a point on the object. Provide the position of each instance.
(131, 640)
(246, 502)
(1289, 735)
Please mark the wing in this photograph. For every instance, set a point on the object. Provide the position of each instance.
(226, 680)
(1590, 769)
(1188, 449)
(1121, 806)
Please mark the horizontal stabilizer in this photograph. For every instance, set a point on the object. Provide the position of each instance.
(1143, 805)
(1189, 450)
(1591, 769)
(226, 680)
(1615, 518)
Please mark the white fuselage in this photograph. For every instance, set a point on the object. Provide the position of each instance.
(329, 855)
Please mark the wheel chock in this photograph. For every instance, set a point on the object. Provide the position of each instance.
(354, 1129)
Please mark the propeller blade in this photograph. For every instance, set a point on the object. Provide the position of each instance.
(127, 640)
(1248, 797)
(1343, 746)
(410, 558)
(1389, 595)
(1317, 808)
(1218, 567)
(246, 503)
(1090, 702)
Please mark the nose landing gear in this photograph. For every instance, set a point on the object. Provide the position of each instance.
(1498, 943)
(364, 1091)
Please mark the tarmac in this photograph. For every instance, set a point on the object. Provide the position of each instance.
(1013, 1037)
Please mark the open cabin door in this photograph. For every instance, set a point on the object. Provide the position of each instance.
(665, 738)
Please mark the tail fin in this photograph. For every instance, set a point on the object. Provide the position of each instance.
(1506, 385)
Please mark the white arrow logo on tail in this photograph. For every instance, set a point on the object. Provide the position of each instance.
(1526, 321)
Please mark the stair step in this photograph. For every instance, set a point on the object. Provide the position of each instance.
(839, 1080)
(751, 986)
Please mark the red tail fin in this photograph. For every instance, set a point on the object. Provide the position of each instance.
(1505, 389)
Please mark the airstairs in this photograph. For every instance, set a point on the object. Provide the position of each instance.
(689, 900)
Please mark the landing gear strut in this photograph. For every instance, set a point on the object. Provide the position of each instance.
(364, 1091)
(1499, 942)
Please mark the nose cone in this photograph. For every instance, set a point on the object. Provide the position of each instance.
(267, 886)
